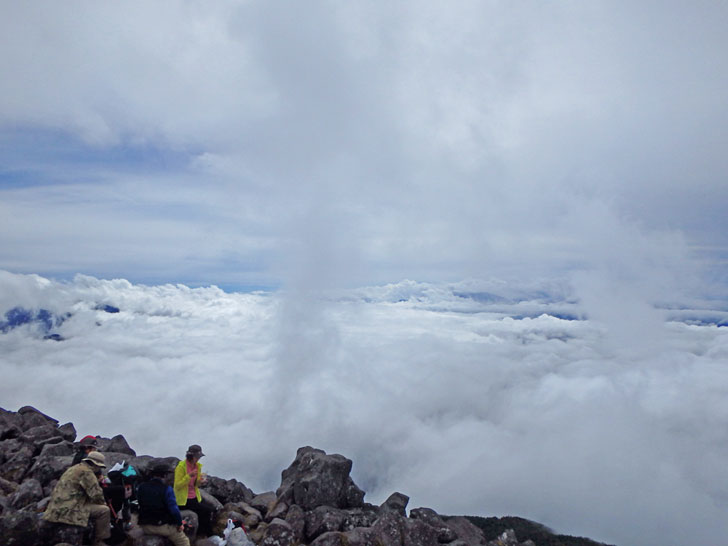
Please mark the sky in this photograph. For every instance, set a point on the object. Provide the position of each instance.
(256, 172)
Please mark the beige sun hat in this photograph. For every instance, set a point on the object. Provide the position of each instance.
(96, 458)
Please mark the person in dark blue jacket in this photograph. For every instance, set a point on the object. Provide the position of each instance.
(158, 510)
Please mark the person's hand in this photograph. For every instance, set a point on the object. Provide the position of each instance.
(193, 474)
(182, 528)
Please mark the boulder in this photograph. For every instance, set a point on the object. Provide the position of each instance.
(63, 448)
(212, 501)
(389, 529)
(278, 533)
(279, 509)
(317, 479)
(10, 425)
(21, 528)
(118, 444)
(418, 533)
(31, 417)
(7, 487)
(191, 523)
(361, 536)
(323, 519)
(465, 530)
(444, 533)
(18, 464)
(263, 501)
(228, 490)
(48, 468)
(296, 518)
(29, 492)
(397, 502)
(330, 539)
(360, 517)
(68, 431)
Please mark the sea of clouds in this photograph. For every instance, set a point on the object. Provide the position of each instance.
(472, 398)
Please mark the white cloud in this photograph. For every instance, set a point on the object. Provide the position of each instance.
(442, 392)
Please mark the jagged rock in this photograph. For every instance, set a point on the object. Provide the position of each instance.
(360, 517)
(17, 465)
(8, 449)
(444, 533)
(228, 490)
(278, 510)
(20, 528)
(263, 501)
(34, 418)
(466, 531)
(118, 444)
(45, 469)
(37, 436)
(361, 536)
(389, 529)
(397, 502)
(68, 431)
(7, 487)
(278, 533)
(10, 425)
(317, 479)
(323, 519)
(296, 518)
(331, 538)
(212, 501)
(418, 533)
(60, 449)
(29, 492)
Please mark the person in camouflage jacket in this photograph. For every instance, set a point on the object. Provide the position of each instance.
(78, 496)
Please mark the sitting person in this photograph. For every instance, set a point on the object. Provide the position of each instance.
(85, 446)
(187, 479)
(78, 496)
(158, 511)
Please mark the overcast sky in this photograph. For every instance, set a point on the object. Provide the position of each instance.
(575, 148)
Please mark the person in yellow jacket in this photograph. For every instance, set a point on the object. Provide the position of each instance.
(188, 477)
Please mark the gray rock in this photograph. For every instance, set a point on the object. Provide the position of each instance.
(330, 539)
(7, 487)
(118, 444)
(40, 435)
(29, 492)
(278, 533)
(430, 517)
(360, 517)
(418, 533)
(361, 536)
(279, 509)
(263, 501)
(16, 467)
(68, 431)
(192, 523)
(296, 518)
(228, 490)
(212, 501)
(10, 425)
(49, 468)
(466, 531)
(32, 418)
(389, 529)
(60, 449)
(397, 502)
(21, 528)
(323, 519)
(317, 479)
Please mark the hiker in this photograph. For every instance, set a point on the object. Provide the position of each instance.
(78, 496)
(158, 511)
(85, 446)
(188, 477)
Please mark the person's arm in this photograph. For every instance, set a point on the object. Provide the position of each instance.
(172, 506)
(90, 484)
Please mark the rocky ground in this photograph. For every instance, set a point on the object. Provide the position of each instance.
(317, 502)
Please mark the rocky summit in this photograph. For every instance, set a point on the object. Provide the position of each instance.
(316, 504)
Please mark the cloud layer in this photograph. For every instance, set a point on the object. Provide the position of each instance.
(232, 144)
(477, 398)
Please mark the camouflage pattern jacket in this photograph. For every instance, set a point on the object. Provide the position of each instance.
(70, 501)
